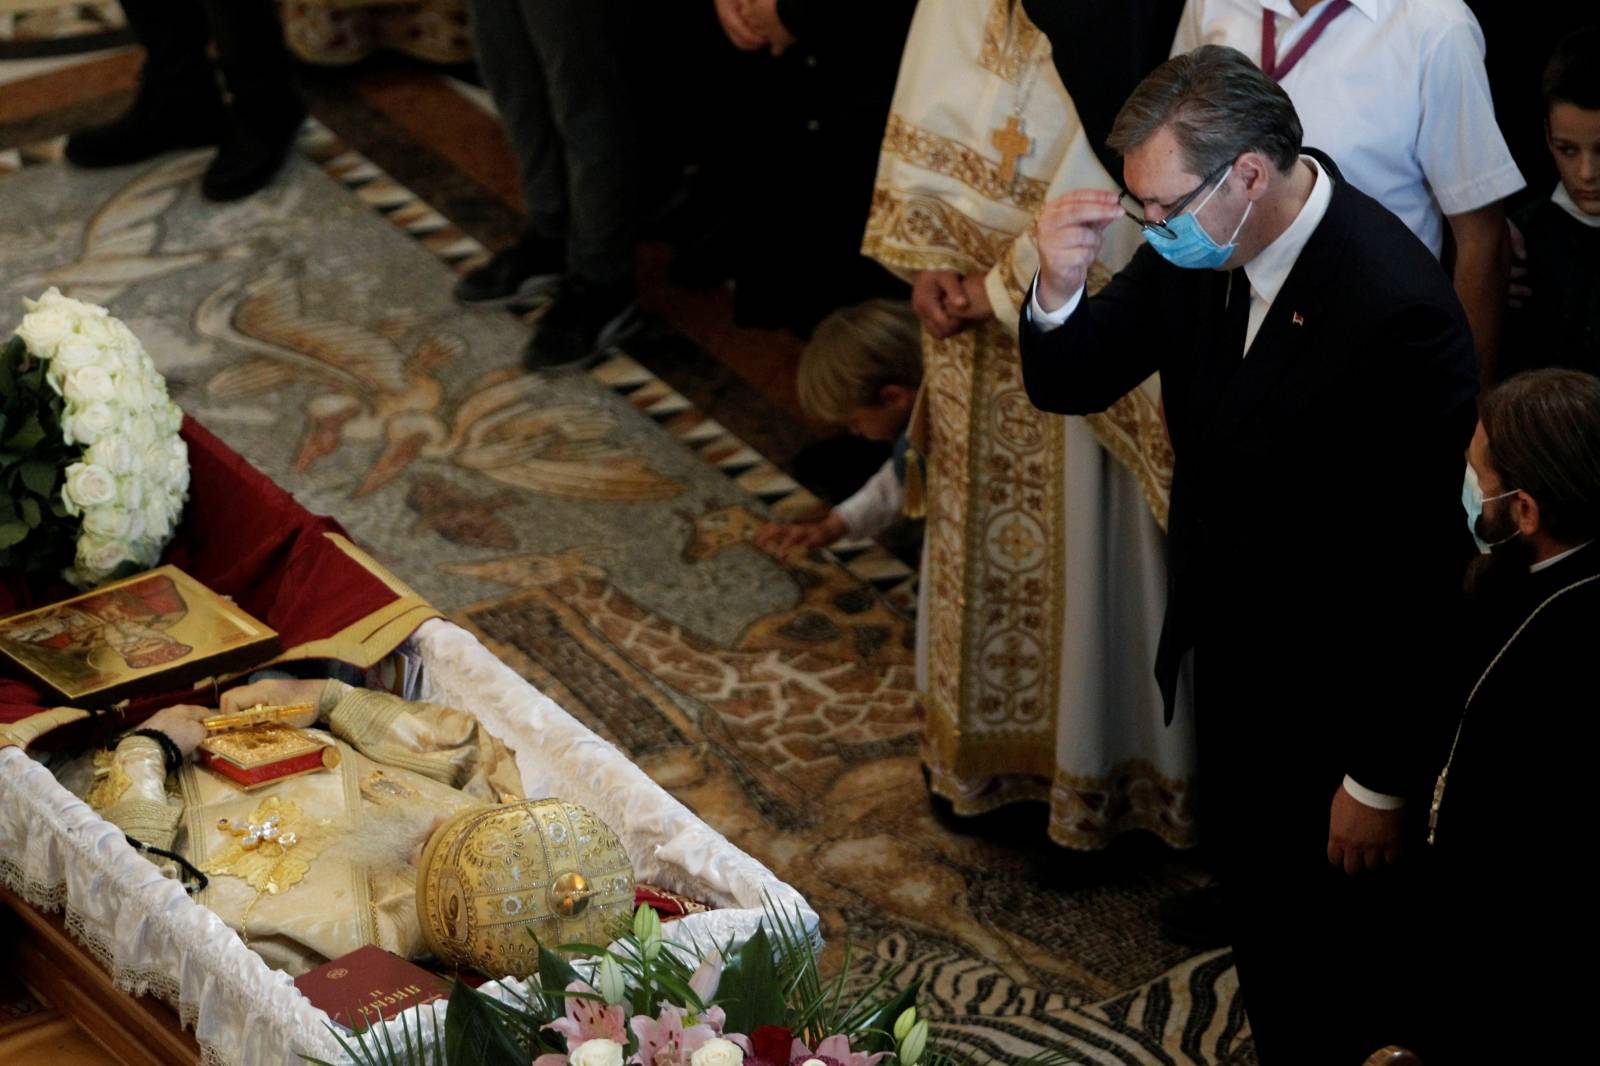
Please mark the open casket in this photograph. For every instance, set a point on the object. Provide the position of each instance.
(151, 938)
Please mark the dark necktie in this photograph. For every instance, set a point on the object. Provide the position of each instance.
(1228, 352)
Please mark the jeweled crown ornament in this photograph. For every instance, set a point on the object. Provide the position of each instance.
(491, 876)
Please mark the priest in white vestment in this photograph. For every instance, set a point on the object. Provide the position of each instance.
(1043, 578)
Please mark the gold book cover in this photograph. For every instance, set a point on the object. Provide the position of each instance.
(266, 753)
(159, 631)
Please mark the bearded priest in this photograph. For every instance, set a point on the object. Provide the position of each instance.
(408, 831)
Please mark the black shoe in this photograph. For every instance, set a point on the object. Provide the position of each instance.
(583, 320)
(158, 122)
(1197, 918)
(516, 276)
(250, 156)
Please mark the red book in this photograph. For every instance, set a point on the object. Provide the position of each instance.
(369, 984)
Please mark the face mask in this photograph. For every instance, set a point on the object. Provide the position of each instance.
(1472, 499)
(1192, 247)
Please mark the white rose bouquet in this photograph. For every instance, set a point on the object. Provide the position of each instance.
(93, 475)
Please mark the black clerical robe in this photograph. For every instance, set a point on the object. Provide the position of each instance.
(1314, 555)
(1510, 888)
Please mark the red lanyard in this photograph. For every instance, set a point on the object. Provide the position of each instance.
(1269, 40)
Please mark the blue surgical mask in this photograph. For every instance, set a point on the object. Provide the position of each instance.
(1472, 499)
(1192, 247)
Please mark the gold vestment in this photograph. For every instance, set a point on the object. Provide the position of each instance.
(348, 880)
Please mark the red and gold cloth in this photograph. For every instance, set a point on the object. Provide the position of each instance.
(246, 538)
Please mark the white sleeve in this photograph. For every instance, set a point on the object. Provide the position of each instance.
(1188, 37)
(1460, 148)
(1043, 320)
(875, 505)
(1381, 801)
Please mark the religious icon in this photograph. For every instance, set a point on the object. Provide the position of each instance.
(157, 630)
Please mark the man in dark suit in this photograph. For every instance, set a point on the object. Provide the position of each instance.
(1318, 377)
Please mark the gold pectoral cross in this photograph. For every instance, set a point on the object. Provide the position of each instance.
(1013, 145)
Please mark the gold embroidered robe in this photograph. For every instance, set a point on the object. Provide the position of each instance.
(348, 879)
(1042, 582)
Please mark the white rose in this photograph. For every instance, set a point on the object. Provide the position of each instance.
(131, 493)
(100, 555)
(75, 352)
(157, 517)
(113, 453)
(99, 331)
(43, 329)
(717, 1052)
(90, 384)
(141, 431)
(131, 390)
(88, 485)
(597, 1052)
(147, 552)
(136, 530)
(88, 423)
(108, 521)
(172, 418)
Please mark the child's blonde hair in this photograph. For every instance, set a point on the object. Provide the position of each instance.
(854, 353)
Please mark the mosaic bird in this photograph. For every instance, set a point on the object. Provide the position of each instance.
(122, 243)
(372, 388)
(365, 376)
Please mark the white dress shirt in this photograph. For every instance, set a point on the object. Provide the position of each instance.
(1563, 199)
(876, 505)
(1394, 90)
(1267, 272)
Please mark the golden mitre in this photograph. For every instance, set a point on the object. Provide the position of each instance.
(491, 876)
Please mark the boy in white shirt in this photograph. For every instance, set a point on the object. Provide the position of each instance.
(862, 367)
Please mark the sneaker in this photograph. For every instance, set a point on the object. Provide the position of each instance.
(583, 320)
(519, 275)
(249, 157)
(1197, 918)
(156, 124)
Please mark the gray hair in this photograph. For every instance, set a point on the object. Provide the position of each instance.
(1218, 104)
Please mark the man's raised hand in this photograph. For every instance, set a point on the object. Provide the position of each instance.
(1070, 233)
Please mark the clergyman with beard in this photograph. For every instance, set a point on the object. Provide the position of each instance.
(1513, 803)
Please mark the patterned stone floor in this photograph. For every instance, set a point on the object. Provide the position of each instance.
(609, 559)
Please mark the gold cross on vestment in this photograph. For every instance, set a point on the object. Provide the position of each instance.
(1013, 145)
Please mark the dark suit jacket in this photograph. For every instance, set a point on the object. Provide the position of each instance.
(1316, 526)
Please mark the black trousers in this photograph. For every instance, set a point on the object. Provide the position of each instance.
(554, 68)
(251, 56)
(1325, 959)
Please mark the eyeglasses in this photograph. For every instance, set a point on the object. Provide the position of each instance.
(1133, 207)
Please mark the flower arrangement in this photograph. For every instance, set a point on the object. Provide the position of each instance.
(93, 475)
(648, 1002)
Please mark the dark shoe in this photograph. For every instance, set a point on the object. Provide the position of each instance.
(583, 320)
(516, 276)
(249, 157)
(157, 123)
(1197, 918)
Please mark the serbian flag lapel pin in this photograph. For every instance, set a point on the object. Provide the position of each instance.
(1297, 318)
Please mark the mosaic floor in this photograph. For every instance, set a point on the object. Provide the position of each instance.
(594, 528)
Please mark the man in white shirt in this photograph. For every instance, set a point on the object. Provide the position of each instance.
(1318, 381)
(1395, 91)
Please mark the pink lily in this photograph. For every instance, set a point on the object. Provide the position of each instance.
(707, 978)
(667, 1041)
(834, 1051)
(589, 1019)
